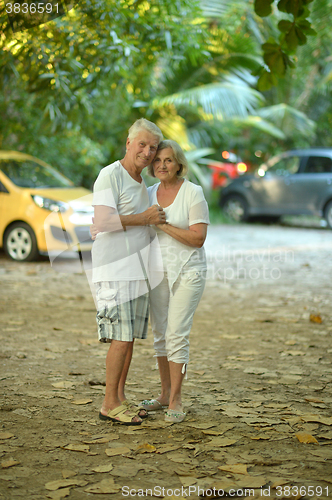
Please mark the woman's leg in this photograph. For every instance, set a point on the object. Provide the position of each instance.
(176, 376)
(165, 379)
(188, 291)
(159, 298)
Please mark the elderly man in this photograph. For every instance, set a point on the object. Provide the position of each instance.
(120, 258)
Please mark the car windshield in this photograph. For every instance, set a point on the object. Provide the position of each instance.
(29, 174)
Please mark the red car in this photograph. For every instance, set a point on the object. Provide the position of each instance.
(224, 171)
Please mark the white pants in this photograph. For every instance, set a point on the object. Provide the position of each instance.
(172, 315)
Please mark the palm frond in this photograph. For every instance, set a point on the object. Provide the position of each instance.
(174, 127)
(198, 174)
(229, 98)
(260, 124)
(288, 119)
(218, 8)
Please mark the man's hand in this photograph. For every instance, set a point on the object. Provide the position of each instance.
(155, 215)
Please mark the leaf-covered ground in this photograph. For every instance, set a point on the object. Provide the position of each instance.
(258, 395)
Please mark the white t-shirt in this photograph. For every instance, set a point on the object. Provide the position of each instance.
(120, 255)
(188, 208)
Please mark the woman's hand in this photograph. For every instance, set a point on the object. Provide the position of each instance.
(193, 237)
(93, 230)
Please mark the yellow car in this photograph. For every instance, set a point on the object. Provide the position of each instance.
(41, 211)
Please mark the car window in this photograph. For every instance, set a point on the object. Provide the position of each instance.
(318, 165)
(29, 174)
(286, 166)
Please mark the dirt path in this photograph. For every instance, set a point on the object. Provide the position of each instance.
(259, 381)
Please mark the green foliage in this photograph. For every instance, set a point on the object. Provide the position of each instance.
(293, 32)
(72, 88)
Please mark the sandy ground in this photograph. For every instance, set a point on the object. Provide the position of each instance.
(258, 395)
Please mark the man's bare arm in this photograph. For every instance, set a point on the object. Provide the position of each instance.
(106, 219)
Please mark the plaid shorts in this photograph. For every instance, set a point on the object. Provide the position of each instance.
(122, 310)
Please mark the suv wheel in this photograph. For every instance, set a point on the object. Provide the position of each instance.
(328, 214)
(20, 242)
(236, 208)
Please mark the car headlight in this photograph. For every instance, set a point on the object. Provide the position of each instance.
(48, 204)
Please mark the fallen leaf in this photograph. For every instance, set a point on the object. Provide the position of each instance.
(307, 417)
(187, 481)
(315, 318)
(221, 442)
(104, 486)
(103, 468)
(77, 447)
(6, 435)
(294, 353)
(202, 426)
(98, 441)
(259, 437)
(221, 429)
(313, 400)
(279, 482)
(252, 482)
(235, 469)
(65, 384)
(66, 474)
(145, 448)
(318, 405)
(81, 401)
(306, 438)
(121, 450)
(63, 483)
(56, 495)
(180, 458)
(9, 463)
(166, 448)
(128, 470)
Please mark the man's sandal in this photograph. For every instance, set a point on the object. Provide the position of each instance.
(152, 405)
(122, 415)
(138, 409)
(174, 416)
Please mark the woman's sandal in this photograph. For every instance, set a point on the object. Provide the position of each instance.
(138, 409)
(122, 415)
(152, 405)
(174, 416)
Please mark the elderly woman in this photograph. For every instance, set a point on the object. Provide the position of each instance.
(174, 301)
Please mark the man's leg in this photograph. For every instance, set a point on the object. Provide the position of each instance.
(115, 362)
(125, 370)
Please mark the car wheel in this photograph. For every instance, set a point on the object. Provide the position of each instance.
(236, 208)
(20, 242)
(328, 214)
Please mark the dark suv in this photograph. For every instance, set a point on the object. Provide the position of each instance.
(297, 182)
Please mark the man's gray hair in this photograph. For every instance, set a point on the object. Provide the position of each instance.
(178, 155)
(143, 124)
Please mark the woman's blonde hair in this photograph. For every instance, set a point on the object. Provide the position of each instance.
(178, 155)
